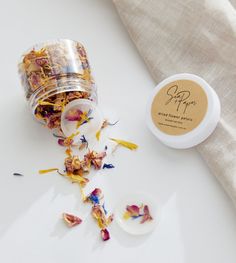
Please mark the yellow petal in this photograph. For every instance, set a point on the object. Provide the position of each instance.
(84, 117)
(126, 144)
(68, 152)
(82, 193)
(72, 136)
(100, 223)
(98, 134)
(77, 179)
(48, 170)
(126, 215)
(48, 103)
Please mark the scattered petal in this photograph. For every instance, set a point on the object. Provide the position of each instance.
(65, 142)
(108, 166)
(48, 170)
(97, 192)
(84, 143)
(126, 144)
(83, 139)
(99, 215)
(82, 193)
(107, 123)
(105, 234)
(146, 215)
(95, 196)
(110, 219)
(71, 220)
(95, 158)
(68, 152)
(79, 179)
(98, 134)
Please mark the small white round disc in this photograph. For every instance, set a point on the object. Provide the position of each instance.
(133, 225)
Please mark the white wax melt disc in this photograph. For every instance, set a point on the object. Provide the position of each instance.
(87, 129)
(133, 225)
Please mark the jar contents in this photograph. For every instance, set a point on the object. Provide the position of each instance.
(53, 74)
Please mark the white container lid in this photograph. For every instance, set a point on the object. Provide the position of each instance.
(183, 111)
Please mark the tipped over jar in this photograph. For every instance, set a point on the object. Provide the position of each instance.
(53, 74)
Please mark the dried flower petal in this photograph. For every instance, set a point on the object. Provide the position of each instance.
(98, 134)
(74, 115)
(48, 170)
(107, 123)
(109, 219)
(133, 210)
(99, 215)
(126, 215)
(126, 144)
(97, 192)
(71, 220)
(84, 143)
(146, 215)
(108, 166)
(105, 234)
(83, 139)
(65, 142)
(68, 152)
(95, 196)
(84, 118)
(72, 164)
(72, 136)
(95, 158)
(79, 179)
(46, 103)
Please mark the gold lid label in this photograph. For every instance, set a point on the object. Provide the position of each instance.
(179, 107)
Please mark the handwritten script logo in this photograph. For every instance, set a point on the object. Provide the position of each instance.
(179, 97)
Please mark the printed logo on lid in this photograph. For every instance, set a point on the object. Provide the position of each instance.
(179, 107)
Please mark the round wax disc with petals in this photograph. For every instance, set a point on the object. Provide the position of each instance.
(133, 225)
(89, 127)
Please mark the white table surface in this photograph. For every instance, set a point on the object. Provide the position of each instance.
(198, 219)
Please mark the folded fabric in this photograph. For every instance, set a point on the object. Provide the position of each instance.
(196, 36)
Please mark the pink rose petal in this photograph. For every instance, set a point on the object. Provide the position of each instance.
(71, 220)
(74, 115)
(133, 210)
(146, 215)
(105, 234)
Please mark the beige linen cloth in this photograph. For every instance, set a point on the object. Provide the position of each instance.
(194, 36)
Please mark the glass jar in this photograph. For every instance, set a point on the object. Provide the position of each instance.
(53, 74)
